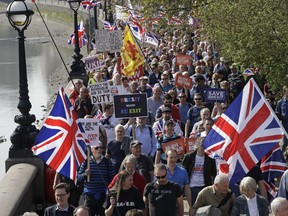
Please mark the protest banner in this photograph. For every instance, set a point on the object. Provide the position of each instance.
(130, 105)
(215, 95)
(100, 93)
(93, 63)
(183, 81)
(117, 90)
(177, 144)
(106, 40)
(91, 128)
(190, 144)
(183, 60)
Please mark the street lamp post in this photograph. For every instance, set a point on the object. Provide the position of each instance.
(19, 15)
(78, 66)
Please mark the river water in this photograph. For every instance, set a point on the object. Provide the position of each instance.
(41, 59)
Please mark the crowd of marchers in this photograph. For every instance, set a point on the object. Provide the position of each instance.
(126, 176)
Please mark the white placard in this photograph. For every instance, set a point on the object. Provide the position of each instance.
(106, 40)
(91, 128)
(100, 93)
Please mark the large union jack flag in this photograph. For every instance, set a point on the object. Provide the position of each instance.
(82, 37)
(246, 132)
(60, 142)
(272, 165)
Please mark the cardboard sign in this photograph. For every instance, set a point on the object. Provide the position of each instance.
(100, 93)
(93, 62)
(215, 95)
(115, 89)
(177, 144)
(91, 128)
(130, 105)
(106, 40)
(183, 81)
(190, 144)
(183, 60)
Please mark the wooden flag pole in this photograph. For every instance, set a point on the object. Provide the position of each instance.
(133, 130)
(88, 162)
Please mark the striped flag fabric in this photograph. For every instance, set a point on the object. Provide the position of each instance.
(107, 25)
(82, 37)
(248, 72)
(88, 4)
(273, 165)
(237, 139)
(61, 141)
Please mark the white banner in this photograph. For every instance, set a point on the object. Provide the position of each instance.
(91, 128)
(100, 93)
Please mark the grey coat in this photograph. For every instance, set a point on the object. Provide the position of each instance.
(241, 206)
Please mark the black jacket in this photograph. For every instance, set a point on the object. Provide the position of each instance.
(51, 211)
(210, 171)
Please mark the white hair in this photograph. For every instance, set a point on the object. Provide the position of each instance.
(30, 214)
(277, 204)
(220, 178)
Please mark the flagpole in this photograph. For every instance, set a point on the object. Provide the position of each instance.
(95, 16)
(88, 162)
(89, 35)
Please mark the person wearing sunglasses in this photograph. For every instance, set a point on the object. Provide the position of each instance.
(162, 196)
(75, 91)
(101, 173)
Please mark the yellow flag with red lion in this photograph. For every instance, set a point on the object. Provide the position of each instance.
(131, 54)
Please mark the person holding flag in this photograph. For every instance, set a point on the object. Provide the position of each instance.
(101, 173)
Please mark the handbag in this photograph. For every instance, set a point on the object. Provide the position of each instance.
(210, 210)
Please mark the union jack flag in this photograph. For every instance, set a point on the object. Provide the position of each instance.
(272, 165)
(107, 25)
(138, 27)
(88, 4)
(249, 72)
(81, 36)
(244, 133)
(60, 142)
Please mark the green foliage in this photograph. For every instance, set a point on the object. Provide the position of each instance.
(253, 33)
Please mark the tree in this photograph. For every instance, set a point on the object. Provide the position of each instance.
(253, 33)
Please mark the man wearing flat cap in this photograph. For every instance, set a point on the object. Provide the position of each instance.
(145, 165)
(158, 126)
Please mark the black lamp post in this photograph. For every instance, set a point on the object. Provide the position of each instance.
(19, 15)
(78, 66)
